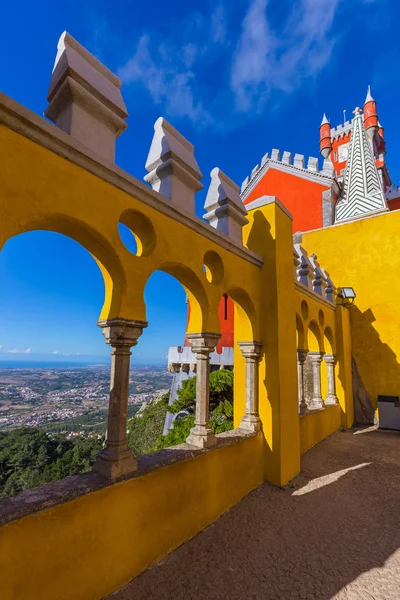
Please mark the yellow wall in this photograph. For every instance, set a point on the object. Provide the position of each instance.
(365, 255)
(269, 234)
(90, 546)
(317, 425)
(41, 190)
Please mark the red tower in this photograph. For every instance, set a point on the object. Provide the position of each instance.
(325, 141)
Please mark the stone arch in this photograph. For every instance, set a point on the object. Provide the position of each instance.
(300, 334)
(314, 338)
(100, 249)
(197, 296)
(329, 341)
(247, 318)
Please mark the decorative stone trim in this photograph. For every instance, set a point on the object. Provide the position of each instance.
(173, 169)
(28, 124)
(85, 99)
(225, 209)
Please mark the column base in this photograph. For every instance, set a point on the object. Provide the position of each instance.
(202, 437)
(250, 423)
(113, 463)
(329, 400)
(303, 409)
(316, 404)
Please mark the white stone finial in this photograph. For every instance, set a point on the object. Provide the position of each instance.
(85, 98)
(225, 209)
(369, 97)
(286, 157)
(325, 120)
(264, 158)
(172, 166)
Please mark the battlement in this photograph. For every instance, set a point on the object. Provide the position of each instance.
(341, 130)
(297, 164)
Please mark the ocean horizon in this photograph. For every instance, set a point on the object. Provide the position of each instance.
(48, 364)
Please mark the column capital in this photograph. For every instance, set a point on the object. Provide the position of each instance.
(122, 332)
(316, 357)
(203, 343)
(302, 355)
(330, 359)
(251, 349)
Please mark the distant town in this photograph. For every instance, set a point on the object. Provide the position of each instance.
(73, 400)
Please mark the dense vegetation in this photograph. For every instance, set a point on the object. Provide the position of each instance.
(30, 457)
(145, 428)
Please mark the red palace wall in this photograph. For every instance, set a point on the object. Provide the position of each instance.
(226, 316)
(301, 197)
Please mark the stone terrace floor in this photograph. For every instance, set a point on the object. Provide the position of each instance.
(333, 533)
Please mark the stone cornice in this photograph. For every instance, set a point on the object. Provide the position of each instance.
(23, 121)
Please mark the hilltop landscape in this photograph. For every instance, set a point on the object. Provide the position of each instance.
(71, 400)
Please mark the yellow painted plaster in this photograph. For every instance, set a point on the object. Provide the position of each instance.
(364, 254)
(88, 547)
(317, 425)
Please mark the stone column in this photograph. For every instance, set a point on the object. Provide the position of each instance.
(316, 401)
(116, 458)
(330, 360)
(252, 353)
(203, 344)
(301, 359)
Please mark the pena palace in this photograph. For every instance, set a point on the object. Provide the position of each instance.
(317, 192)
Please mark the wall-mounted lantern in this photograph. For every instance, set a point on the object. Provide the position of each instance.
(347, 295)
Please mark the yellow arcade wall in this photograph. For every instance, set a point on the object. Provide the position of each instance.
(42, 190)
(88, 547)
(364, 254)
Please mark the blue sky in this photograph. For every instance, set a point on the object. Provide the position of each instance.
(236, 78)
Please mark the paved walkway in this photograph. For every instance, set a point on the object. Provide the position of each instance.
(334, 533)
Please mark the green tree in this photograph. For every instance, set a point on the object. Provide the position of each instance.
(147, 425)
(31, 457)
(221, 408)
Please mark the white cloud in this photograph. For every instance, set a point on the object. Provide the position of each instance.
(27, 351)
(166, 74)
(266, 59)
(56, 352)
(251, 63)
(219, 25)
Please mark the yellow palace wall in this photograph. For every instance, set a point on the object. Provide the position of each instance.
(365, 255)
(86, 548)
(89, 546)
